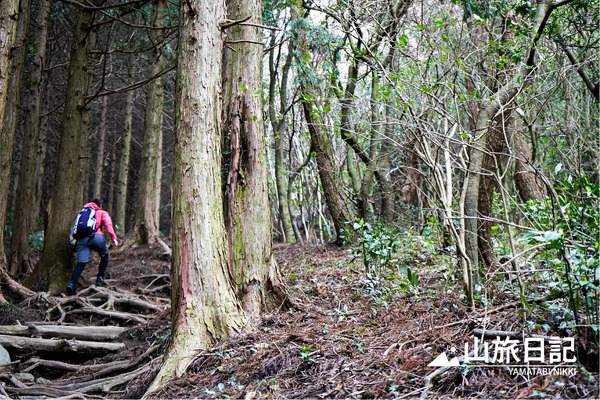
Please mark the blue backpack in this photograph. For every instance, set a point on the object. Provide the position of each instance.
(85, 224)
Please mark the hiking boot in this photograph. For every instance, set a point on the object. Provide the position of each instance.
(71, 290)
(100, 282)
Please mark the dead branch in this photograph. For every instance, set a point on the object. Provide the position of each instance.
(243, 41)
(110, 314)
(229, 23)
(58, 345)
(93, 333)
(44, 391)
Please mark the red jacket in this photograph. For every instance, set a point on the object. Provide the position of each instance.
(102, 217)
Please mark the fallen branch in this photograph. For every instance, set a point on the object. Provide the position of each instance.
(58, 345)
(44, 391)
(229, 23)
(92, 333)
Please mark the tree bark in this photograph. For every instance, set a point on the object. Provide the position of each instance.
(19, 259)
(56, 261)
(121, 201)
(100, 145)
(205, 307)
(13, 37)
(147, 217)
(86, 163)
(485, 121)
(247, 211)
(528, 185)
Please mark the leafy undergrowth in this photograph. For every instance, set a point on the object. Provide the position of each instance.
(353, 335)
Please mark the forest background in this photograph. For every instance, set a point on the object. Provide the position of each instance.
(472, 126)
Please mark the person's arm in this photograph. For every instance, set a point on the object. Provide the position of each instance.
(107, 221)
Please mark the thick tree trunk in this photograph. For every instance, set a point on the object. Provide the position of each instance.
(205, 307)
(13, 99)
(147, 217)
(247, 211)
(9, 11)
(25, 199)
(56, 261)
(119, 219)
(14, 24)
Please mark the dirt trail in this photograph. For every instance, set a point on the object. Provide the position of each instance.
(347, 335)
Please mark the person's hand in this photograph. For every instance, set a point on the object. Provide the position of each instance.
(115, 242)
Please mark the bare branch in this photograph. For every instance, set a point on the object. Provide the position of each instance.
(229, 23)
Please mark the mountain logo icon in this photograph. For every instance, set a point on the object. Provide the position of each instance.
(442, 361)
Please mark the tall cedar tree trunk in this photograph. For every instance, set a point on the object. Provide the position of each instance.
(100, 144)
(9, 11)
(247, 211)
(86, 161)
(279, 124)
(121, 200)
(12, 102)
(204, 303)
(56, 261)
(13, 99)
(485, 122)
(147, 216)
(39, 205)
(25, 199)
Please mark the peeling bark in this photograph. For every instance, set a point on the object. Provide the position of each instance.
(205, 307)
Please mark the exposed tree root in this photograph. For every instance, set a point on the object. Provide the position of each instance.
(54, 348)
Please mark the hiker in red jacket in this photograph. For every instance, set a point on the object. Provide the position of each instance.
(96, 242)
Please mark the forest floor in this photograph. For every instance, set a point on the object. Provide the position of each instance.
(346, 335)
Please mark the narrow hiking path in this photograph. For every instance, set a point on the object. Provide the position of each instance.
(102, 343)
(346, 335)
